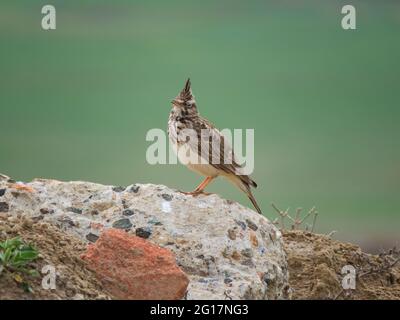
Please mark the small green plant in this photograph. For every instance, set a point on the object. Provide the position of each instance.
(15, 257)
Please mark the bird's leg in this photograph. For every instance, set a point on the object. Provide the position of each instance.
(203, 185)
(200, 187)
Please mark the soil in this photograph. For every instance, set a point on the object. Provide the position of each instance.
(315, 264)
(73, 280)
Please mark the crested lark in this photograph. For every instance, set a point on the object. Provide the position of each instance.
(198, 144)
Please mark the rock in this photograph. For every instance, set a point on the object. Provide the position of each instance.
(46, 211)
(251, 225)
(74, 210)
(132, 268)
(92, 237)
(118, 189)
(166, 197)
(128, 212)
(232, 234)
(122, 224)
(2, 192)
(143, 232)
(212, 239)
(135, 188)
(4, 207)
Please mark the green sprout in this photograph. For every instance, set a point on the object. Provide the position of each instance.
(15, 257)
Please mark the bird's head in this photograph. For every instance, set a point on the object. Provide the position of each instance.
(185, 99)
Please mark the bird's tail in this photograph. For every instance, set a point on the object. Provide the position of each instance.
(244, 183)
(253, 200)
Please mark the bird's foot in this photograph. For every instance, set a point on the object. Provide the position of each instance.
(195, 193)
(190, 193)
(203, 193)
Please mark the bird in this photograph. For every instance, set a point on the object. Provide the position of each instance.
(185, 122)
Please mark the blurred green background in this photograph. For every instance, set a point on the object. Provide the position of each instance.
(76, 102)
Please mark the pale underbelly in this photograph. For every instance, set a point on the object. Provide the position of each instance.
(204, 169)
(194, 162)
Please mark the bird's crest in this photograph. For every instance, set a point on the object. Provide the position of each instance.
(186, 93)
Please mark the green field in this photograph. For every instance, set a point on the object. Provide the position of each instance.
(76, 102)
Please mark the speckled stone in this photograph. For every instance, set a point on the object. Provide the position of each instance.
(241, 224)
(91, 237)
(118, 189)
(74, 210)
(128, 212)
(122, 224)
(135, 188)
(46, 211)
(195, 229)
(251, 225)
(166, 197)
(231, 234)
(143, 232)
(4, 207)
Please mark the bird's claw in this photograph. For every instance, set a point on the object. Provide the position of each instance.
(195, 193)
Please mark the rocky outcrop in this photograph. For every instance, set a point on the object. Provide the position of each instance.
(228, 251)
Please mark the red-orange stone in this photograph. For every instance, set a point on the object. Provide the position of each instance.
(133, 268)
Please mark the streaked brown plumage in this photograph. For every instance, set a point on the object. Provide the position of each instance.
(184, 115)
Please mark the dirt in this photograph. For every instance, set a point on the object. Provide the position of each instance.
(315, 265)
(73, 280)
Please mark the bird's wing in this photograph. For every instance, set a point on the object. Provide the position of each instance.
(204, 141)
(214, 148)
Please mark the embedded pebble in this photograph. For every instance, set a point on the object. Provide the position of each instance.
(231, 234)
(249, 263)
(241, 224)
(46, 211)
(74, 210)
(124, 204)
(155, 221)
(118, 189)
(251, 225)
(128, 212)
(166, 197)
(92, 237)
(135, 188)
(67, 222)
(247, 252)
(143, 232)
(4, 207)
(122, 224)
